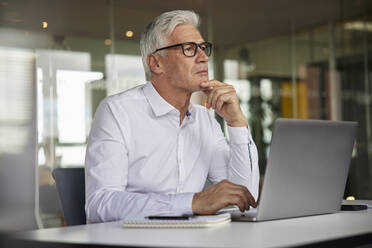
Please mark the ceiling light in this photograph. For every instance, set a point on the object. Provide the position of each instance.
(350, 198)
(45, 24)
(359, 25)
(107, 42)
(129, 34)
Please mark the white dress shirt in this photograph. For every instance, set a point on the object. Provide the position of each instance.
(140, 161)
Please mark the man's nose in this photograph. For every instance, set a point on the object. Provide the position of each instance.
(201, 56)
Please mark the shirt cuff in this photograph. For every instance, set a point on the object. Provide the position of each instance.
(183, 203)
(238, 135)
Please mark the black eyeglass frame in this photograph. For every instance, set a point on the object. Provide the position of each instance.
(187, 43)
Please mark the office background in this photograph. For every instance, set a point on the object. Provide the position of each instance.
(59, 59)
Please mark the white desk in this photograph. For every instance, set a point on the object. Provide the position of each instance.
(288, 232)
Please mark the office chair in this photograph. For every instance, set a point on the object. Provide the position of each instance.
(70, 184)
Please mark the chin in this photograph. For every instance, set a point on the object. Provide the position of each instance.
(195, 85)
(194, 88)
(202, 78)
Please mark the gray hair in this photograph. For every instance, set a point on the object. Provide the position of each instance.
(158, 31)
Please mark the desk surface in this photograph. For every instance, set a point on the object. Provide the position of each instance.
(286, 232)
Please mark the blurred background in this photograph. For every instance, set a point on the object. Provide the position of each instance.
(59, 59)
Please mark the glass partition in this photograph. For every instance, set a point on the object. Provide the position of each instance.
(318, 73)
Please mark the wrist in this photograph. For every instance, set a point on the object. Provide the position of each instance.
(195, 201)
(238, 120)
(238, 123)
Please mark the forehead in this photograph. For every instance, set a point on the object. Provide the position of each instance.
(185, 33)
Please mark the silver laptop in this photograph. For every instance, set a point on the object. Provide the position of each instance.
(306, 171)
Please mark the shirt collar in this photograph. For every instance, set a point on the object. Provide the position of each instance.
(158, 104)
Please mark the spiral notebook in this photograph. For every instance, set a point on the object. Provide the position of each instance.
(192, 221)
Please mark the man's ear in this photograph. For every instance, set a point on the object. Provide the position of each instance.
(154, 63)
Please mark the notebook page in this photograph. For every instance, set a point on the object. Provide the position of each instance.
(193, 221)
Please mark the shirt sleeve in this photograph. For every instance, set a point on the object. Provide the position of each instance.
(236, 161)
(106, 173)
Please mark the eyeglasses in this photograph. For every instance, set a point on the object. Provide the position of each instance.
(190, 49)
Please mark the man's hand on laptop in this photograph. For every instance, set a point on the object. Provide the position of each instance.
(221, 195)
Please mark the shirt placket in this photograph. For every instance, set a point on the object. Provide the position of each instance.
(180, 161)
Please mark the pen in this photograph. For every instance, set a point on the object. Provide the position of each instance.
(168, 217)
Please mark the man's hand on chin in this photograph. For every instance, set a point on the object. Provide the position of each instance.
(221, 195)
(223, 99)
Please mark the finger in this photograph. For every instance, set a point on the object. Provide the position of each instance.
(227, 89)
(230, 188)
(225, 95)
(235, 188)
(219, 104)
(211, 83)
(237, 200)
(205, 87)
(207, 90)
(237, 192)
(225, 98)
(212, 97)
(252, 201)
(217, 92)
(249, 197)
(210, 94)
(246, 199)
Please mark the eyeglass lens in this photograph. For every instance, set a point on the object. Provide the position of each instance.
(190, 49)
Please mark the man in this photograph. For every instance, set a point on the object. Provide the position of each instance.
(150, 151)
